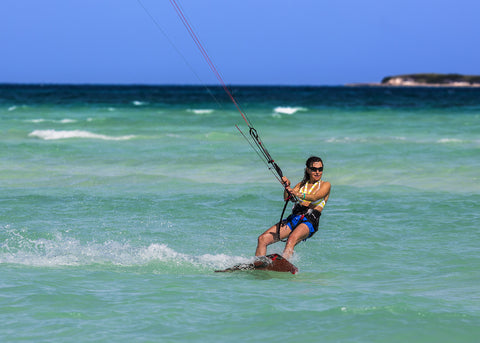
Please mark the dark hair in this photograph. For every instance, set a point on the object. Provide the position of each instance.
(311, 160)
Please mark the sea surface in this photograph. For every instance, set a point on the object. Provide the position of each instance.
(118, 203)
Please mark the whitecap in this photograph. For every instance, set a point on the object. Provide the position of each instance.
(138, 103)
(41, 120)
(67, 121)
(449, 140)
(64, 134)
(36, 121)
(12, 108)
(288, 110)
(201, 111)
(345, 140)
(173, 135)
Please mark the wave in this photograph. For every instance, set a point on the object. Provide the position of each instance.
(379, 140)
(67, 251)
(62, 121)
(288, 110)
(64, 134)
(201, 111)
(451, 140)
(399, 139)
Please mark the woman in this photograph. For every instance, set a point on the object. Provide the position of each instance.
(312, 194)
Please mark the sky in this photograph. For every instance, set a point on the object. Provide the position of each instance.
(251, 42)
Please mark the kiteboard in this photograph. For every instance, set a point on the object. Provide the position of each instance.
(274, 262)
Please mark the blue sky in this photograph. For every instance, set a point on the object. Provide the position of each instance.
(259, 42)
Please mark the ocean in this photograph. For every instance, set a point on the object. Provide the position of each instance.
(118, 203)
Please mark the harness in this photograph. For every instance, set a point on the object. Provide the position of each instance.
(312, 215)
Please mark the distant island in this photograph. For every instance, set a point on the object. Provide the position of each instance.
(451, 80)
(428, 80)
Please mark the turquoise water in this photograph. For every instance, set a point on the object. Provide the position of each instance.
(118, 203)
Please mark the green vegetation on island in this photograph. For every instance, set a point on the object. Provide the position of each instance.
(433, 79)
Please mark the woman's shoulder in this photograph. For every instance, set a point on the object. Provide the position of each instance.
(325, 184)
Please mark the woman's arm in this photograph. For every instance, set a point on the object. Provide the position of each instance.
(293, 191)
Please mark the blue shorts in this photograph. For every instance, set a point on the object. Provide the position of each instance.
(294, 220)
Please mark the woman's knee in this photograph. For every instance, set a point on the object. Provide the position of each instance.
(265, 238)
(298, 235)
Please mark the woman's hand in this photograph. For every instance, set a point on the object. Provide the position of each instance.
(288, 190)
(286, 181)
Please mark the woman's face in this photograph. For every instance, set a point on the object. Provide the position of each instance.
(315, 171)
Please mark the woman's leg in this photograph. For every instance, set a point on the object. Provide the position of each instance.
(300, 233)
(269, 237)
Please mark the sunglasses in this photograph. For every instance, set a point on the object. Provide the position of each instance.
(316, 169)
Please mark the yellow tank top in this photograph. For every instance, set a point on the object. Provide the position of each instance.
(315, 187)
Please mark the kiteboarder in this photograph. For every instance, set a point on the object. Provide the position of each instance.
(312, 194)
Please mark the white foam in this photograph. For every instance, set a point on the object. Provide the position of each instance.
(65, 134)
(449, 140)
(378, 140)
(12, 108)
(345, 140)
(200, 111)
(288, 110)
(221, 261)
(62, 250)
(41, 120)
(138, 103)
(173, 135)
(161, 252)
(67, 121)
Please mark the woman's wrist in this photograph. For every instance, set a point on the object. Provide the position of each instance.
(301, 195)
